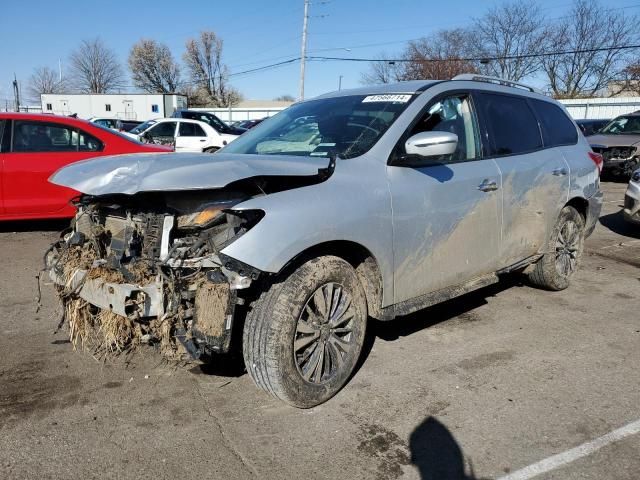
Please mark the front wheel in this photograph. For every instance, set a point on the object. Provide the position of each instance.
(556, 267)
(211, 149)
(303, 336)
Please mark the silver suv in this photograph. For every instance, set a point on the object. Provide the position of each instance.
(375, 202)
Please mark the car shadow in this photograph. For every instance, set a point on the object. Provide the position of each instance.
(436, 453)
(617, 224)
(458, 309)
(34, 225)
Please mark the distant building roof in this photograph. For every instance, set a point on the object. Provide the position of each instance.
(263, 104)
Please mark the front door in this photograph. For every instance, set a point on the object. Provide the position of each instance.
(162, 133)
(446, 216)
(191, 138)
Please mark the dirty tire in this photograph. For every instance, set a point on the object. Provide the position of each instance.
(556, 267)
(211, 149)
(284, 314)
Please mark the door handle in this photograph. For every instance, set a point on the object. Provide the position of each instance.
(488, 186)
(203, 139)
(560, 172)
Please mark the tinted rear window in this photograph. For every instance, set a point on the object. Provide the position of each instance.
(511, 124)
(556, 127)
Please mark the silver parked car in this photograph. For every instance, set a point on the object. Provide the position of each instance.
(632, 199)
(375, 202)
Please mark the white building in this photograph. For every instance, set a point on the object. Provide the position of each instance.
(248, 110)
(595, 108)
(129, 106)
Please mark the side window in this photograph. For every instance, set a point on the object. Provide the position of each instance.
(191, 130)
(511, 125)
(31, 136)
(455, 115)
(86, 142)
(556, 127)
(164, 129)
(4, 125)
(154, 108)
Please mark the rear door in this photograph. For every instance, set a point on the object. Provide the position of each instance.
(191, 137)
(535, 179)
(36, 151)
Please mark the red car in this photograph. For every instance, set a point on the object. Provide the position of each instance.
(34, 146)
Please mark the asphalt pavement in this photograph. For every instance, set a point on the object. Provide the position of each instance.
(508, 381)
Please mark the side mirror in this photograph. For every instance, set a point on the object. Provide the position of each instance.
(431, 144)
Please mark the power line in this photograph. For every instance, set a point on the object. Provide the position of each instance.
(475, 59)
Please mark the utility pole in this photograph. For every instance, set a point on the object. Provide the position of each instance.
(16, 92)
(59, 71)
(340, 82)
(303, 54)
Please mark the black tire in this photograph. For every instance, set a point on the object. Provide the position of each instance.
(556, 267)
(211, 149)
(289, 312)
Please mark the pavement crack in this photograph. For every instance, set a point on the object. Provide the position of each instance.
(226, 440)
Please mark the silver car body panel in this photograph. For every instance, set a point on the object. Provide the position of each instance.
(632, 200)
(425, 227)
(150, 172)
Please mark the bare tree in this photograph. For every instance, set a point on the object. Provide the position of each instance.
(209, 75)
(596, 35)
(44, 80)
(442, 55)
(511, 29)
(381, 72)
(95, 68)
(153, 68)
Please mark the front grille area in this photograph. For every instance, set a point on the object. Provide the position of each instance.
(609, 153)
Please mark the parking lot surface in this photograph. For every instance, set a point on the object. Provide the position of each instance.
(479, 387)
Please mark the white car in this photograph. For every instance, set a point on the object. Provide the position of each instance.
(184, 134)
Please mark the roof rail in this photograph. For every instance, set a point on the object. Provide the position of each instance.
(498, 81)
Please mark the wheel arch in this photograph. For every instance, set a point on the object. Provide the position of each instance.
(580, 204)
(359, 257)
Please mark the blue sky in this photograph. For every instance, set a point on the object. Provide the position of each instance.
(255, 33)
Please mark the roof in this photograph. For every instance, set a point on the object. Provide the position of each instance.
(411, 86)
(263, 104)
(43, 117)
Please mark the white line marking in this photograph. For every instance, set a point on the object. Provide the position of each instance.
(569, 456)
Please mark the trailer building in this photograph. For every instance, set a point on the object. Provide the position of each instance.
(126, 106)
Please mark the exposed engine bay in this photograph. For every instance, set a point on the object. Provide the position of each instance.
(147, 268)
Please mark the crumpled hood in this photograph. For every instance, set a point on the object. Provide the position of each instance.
(148, 172)
(614, 140)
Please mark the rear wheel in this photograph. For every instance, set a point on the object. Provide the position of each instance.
(555, 269)
(303, 336)
(211, 149)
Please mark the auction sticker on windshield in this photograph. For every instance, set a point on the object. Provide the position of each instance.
(387, 98)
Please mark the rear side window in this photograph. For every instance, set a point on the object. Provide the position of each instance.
(29, 136)
(556, 127)
(191, 130)
(4, 136)
(511, 125)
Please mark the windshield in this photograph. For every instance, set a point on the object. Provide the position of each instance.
(347, 126)
(623, 126)
(143, 126)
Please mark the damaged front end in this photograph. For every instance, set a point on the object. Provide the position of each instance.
(147, 268)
